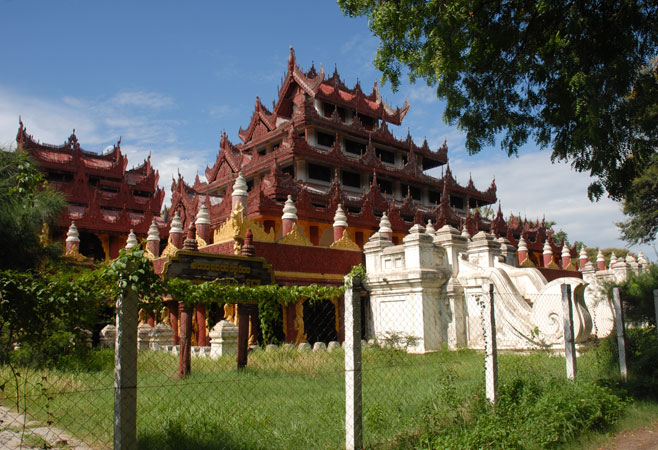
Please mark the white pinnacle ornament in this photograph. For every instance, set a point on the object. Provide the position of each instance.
(202, 217)
(154, 232)
(72, 235)
(132, 240)
(289, 210)
(340, 219)
(176, 224)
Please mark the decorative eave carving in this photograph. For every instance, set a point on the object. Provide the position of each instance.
(261, 117)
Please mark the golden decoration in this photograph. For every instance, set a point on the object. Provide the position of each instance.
(200, 242)
(230, 313)
(552, 265)
(164, 316)
(296, 236)
(44, 236)
(345, 243)
(169, 250)
(149, 255)
(299, 322)
(76, 256)
(237, 225)
(527, 263)
(142, 314)
(571, 267)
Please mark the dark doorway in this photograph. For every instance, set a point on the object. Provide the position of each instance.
(320, 321)
(91, 246)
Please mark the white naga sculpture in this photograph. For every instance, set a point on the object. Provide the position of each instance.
(428, 291)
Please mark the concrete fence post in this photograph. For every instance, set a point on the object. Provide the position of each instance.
(353, 400)
(125, 372)
(567, 326)
(490, 348)
(621, 333)
(655, 304)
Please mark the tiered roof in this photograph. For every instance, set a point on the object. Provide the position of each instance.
(103, 196)
(275, 138)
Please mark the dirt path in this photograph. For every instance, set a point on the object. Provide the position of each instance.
(35, 436)
(645, 438)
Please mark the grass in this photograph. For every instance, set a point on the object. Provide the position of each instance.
(282, 400)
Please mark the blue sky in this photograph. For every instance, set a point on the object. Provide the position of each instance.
(167, 77)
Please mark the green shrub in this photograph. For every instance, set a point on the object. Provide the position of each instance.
(532, 412)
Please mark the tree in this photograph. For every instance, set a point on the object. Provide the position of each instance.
(641, 204)
(579, 77)
(26, 205)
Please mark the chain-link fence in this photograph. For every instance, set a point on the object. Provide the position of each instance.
(307, 393)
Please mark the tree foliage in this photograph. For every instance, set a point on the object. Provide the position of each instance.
(641, 205)
(26, 205)
(578, 77)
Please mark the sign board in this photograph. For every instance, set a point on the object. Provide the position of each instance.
(201, 266)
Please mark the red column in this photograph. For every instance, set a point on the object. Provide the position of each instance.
(184, 361)
(202, 335)
(173, 319)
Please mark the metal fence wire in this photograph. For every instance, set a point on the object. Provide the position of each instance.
(341, 382)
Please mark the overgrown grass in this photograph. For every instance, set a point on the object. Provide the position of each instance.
(285, 400)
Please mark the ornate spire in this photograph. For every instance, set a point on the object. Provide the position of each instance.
(429, 229)
(385, 227)
(340, 219)
(289, 209)
(176, 224)
(132, 240)
(154, 232)
(72, 235)
(240, 186)
(203, 217)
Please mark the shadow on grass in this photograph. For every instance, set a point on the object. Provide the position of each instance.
(189, 440)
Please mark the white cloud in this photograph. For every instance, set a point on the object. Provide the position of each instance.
(223, 111)
(142, 99)
(531, 185)
(99, 124)
(421, 93)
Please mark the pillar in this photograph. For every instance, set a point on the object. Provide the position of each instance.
(582, 258)
(567, 327)
(184, 361)
(522, 251)
(132, 241)
(600, 261)
(385, 229)
(340, 223)
(176, 232)
(566, 256)
(202, 335)
(548, 254)
(289, 217)
(72, 239)
(153, 240)
(203, 223)
(240, 193)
